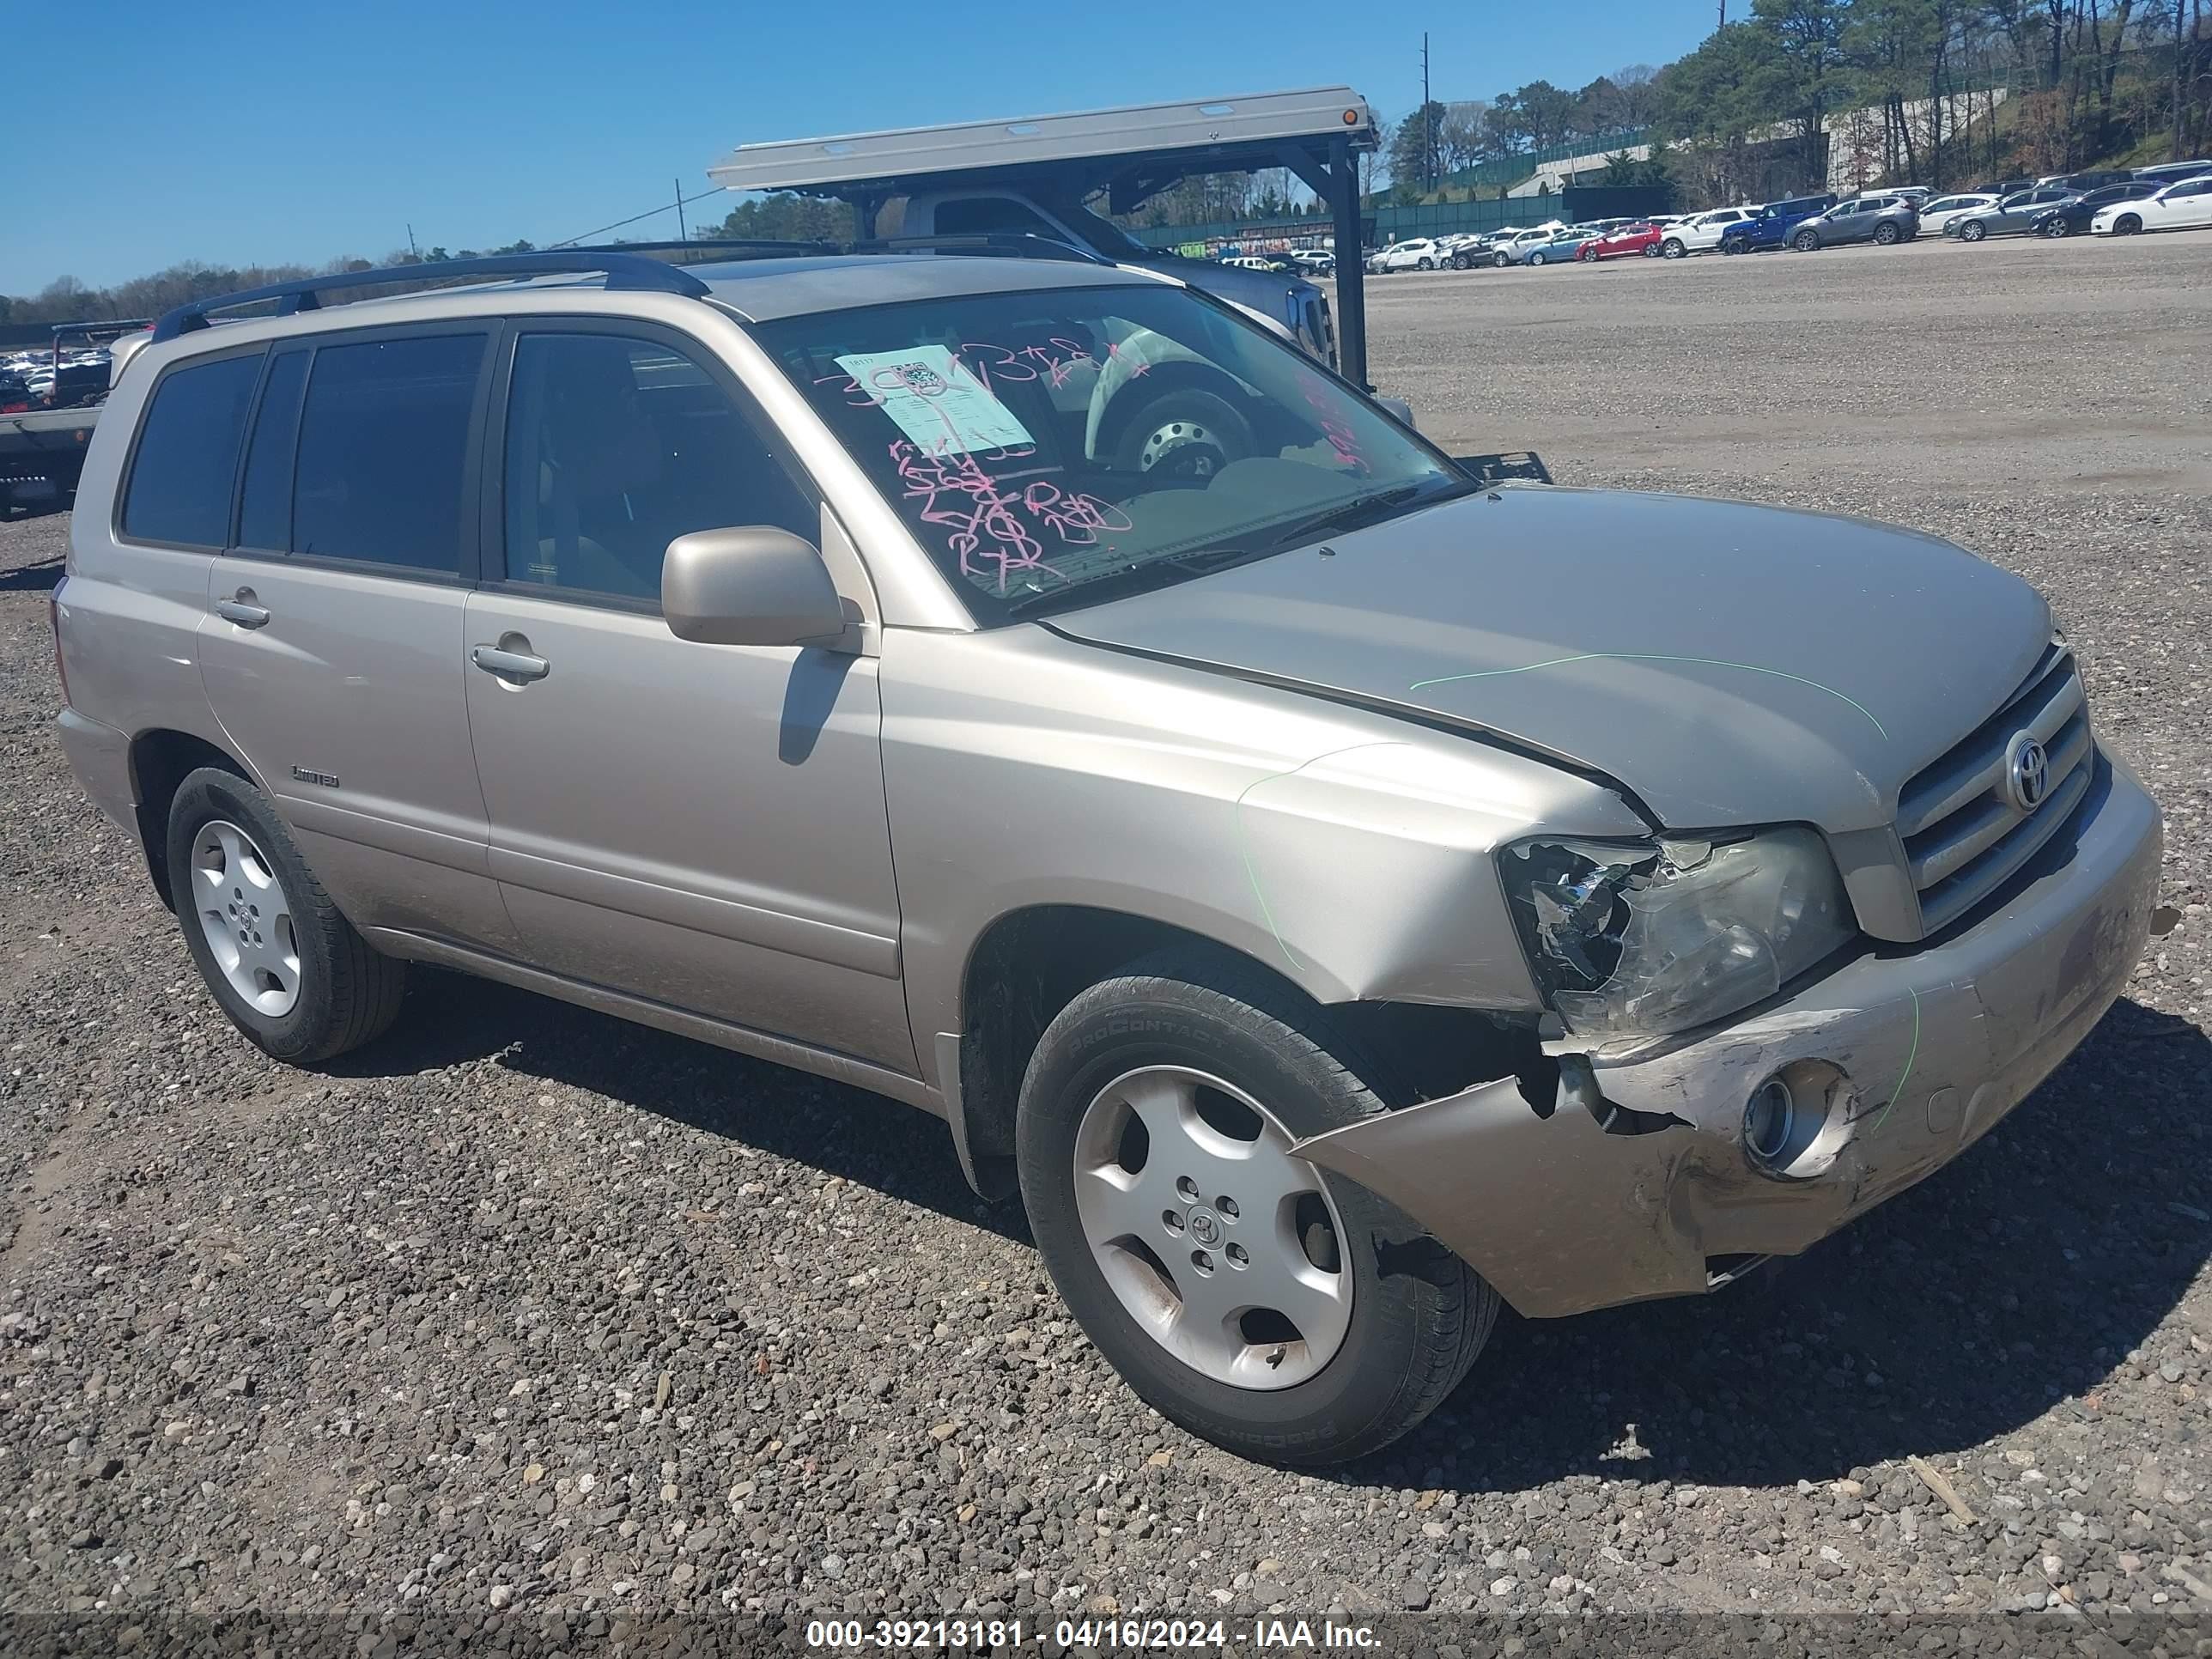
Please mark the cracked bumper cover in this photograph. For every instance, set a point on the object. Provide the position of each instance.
(1934, 1045)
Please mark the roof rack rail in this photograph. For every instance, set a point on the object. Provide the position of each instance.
(734, 246)
(1018, 244)
(622, 270)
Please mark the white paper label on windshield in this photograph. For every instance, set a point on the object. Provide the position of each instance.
(935, 401)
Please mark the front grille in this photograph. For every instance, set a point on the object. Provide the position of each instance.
(1963, 835)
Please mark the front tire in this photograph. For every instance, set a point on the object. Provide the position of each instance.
(1536, 258)
(1501, 260)
(1806, 242)
(287, 968)
(2057, 229)
(2127, 225)
(1185, 432)
(1282, 1314)
(1672, 248)
(1972, 231)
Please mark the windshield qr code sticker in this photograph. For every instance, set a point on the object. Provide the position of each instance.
(935, 401)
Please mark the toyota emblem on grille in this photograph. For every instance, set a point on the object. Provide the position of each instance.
(2027, 773)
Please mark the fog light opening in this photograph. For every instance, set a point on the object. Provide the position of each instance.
(1770, 1122)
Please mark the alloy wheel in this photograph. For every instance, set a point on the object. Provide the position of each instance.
(246, 918)
(1220, 1244)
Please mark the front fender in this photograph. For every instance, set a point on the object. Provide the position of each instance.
(1350, 851)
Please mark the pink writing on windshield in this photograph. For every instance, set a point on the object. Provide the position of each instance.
(995, 532)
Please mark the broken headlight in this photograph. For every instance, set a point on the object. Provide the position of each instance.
(1650, 938)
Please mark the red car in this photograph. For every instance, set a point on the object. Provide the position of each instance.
(1630, 238)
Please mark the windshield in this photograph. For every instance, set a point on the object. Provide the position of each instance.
(1058, 448)
(1106, 237)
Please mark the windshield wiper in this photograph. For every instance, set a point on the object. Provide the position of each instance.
(1361, 511)
(1137, 577)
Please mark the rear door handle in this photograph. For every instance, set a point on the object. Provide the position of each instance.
(513, 666)
(241, 609)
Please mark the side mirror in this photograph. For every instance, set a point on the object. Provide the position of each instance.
(752, 585)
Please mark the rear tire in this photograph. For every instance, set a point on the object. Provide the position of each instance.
(295, 976)
(1424, 262)
(1886, 235)
(1167, 1033)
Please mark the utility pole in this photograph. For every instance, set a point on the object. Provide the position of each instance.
(1428, 122)
(411, 253)
(682, 234)
(1723, 13)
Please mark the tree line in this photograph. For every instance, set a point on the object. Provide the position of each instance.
(2083, 82)
(66, 299)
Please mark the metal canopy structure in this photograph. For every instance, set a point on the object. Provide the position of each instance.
(1129, 155)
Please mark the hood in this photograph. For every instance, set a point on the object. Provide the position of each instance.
(1728, 664)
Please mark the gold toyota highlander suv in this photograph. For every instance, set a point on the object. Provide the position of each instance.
(1338, 893)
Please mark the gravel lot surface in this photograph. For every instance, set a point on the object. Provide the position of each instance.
(525, 1308)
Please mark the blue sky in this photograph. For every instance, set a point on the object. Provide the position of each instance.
(244, 132)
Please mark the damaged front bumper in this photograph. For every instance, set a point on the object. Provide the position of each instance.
(1917, 1053)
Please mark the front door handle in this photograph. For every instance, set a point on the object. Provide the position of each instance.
(518, 667)
(241, 609)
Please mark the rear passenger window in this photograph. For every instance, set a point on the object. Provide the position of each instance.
(383, 451)
(187, 459)
(616, 446)
(265, 511)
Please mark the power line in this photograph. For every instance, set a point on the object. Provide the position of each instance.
(682, 202)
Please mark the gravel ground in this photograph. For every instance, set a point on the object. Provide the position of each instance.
(525, 1308)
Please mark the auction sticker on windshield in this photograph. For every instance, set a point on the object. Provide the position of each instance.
(935, 401)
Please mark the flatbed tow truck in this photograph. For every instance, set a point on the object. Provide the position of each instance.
(42, 450)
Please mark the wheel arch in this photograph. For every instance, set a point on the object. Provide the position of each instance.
(162, 758)
(1030, 963)
(1026, 966)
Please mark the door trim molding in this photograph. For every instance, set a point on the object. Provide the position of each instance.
(682, 1022)
(700, 912)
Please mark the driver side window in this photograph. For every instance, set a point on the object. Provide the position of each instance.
(616, 445)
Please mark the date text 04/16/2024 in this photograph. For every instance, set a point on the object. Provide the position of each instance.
(917, 1635)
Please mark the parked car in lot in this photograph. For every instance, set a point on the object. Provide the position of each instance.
(2075, 215)
(1770, 226)
(1699, 233)
(1469, 251)
(1643, 239)
(1325, 949)
(2010, 215)
(1314, 259)
(1414, 253)
(1883, 219)
(1944, 209)
(1550, 247)
(2172, 173)
(2093, 179)
(2184, 206)
(14, 392)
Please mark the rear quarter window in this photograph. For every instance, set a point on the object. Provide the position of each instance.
(187, 454)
